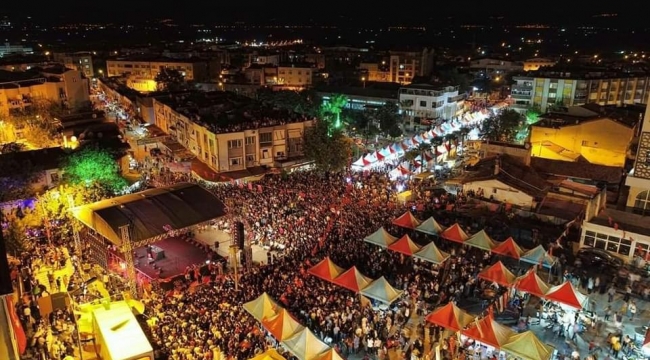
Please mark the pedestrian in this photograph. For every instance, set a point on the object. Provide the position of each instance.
(610, 293)
(608, 312)
(628, 293)
(590, 285)
(632, 309)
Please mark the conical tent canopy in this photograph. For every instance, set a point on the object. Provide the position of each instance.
(508, 248)
(382, 291)
(528, 347)
(531, 283)
(326, 270)
(404, 246)
(270, 354)
(499, 274)
(330, 354)
(432, 254)
(489, 332)
(352, 280)
(430, 226)
(282, 326)
(262, 307)
(481, 240)
(407, 220)
(539, 256)
(454, 233)
(305, 345)
(450, 317)
(566, 294)
(380, 238)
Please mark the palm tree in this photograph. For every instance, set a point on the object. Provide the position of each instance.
(435, 142)
(422, 148)
(334, 106)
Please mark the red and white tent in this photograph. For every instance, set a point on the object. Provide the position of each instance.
(407, 220)
(454, 233)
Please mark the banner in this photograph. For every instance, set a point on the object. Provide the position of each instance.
(19, 332)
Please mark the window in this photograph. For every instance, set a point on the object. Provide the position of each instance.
(54, 177)
(265, 154)
(608, 242)
(250, 158)
(585, 143)
(642, 202)
(235, 161)
(234, 144)
(250, 140)
(552, 85)
(423, 103)
(266, 137)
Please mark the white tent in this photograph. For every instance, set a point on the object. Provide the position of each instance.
(119, 335)
(305, 345)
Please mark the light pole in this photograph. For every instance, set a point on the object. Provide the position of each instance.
(363, 79)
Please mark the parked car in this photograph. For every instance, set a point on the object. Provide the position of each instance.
(599, 258)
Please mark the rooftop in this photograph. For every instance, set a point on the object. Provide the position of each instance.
(582, 72)
(575, 115)
(45, 159)
(581, 169)
(627, 222)
(156, 58)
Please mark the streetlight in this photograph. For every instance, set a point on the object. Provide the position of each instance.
(364, 81)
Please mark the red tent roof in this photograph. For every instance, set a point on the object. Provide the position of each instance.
(531, 283)
(352, 279)
(454, 233)
(508, 248)
(379, 156)
(450, 317)
(407, 220)
(566, 294)
(325, 270)
(499, 274)
(404, 246)
(489, 332)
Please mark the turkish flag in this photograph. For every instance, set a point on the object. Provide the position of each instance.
(21, 339)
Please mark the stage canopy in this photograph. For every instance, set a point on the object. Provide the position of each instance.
(352, 280)
(454, 233)
(282, 326)
(539, 256)
(531, 283)
(381, 290)
(482, 241)
(151, 213)
(270, 354)
(499, 274)
(450, 317)
(380, 238)
(527, 346)
(305, 345)
(407, 220)
(489, 332)
(432, 254)
(430, 226)
(262, 307)
(330, 354)
(508, 248)
(326, 270)
(404, 246)
(566, 294)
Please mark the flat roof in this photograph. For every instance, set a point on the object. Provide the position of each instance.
(122, 334)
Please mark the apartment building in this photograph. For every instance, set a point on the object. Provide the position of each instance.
(494, 65)
(626, 232)
(58, 84)
(229, 132)
(288, 76)
(538, 63)
(405, 65)
(552, 88)
(82, 61)
(430, 102)
(143, 71)
(373, 72)
(8, 49)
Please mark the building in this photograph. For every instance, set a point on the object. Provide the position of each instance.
(19, 90)
(550, 88)
(142, 72)
(494, 66)
(405, 65)
(596, 134)
(296, 75)
(82, 61)
(626, 232)
(8, 49)
(375, 72)
(431, 102)
(228, 132)
(538, 63)
(374, 95)
(258, 59)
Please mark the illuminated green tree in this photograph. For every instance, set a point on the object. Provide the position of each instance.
(328, 148)
(532, 114)
(333, 107)
(93, 166)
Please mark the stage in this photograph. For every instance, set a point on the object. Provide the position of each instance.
(178, 255)
(211, 236)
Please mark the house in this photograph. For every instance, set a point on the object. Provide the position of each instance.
(506, 179)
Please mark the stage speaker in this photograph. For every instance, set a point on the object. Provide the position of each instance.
(239, 234)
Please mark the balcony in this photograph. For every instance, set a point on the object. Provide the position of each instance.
(524, 95)
(522, 88)
(453, 99)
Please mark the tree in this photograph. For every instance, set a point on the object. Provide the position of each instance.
(532, 114)
(332, 108)
(306, 102)
(422, 149)
(170, 80)
(17, 177)
(93, 166)
(502, 127)
(454, 78)
(328, 148)
(388, 116)
(435, 142)
(12, 147)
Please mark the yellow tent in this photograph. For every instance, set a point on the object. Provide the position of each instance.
(270, 354)
(305, 345)
(330, 354)
(262, 307)
(528, 347)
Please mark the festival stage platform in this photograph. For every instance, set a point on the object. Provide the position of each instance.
(179, 254)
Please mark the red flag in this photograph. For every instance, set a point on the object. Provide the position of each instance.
(259, 188)
(250, 186)
(21, 339)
